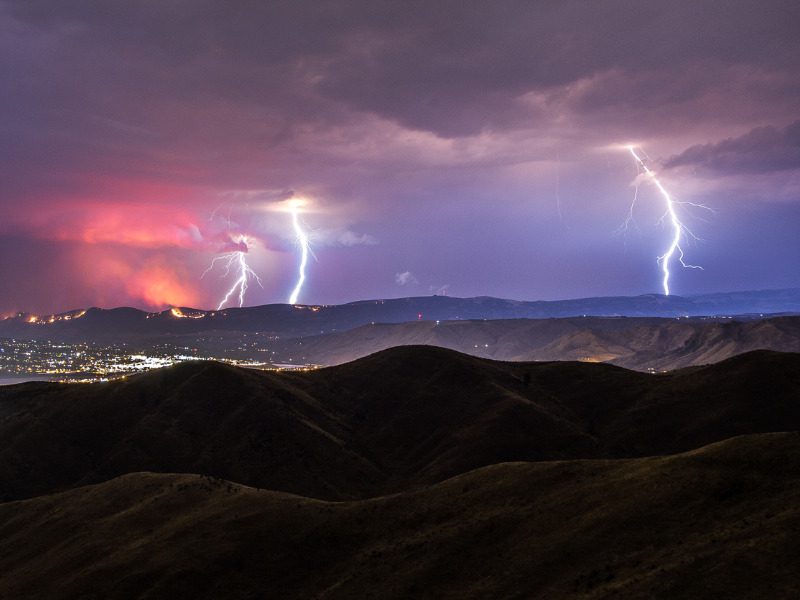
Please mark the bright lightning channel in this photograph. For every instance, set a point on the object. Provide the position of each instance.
(302, 239)
(679, 229)
(236, 260)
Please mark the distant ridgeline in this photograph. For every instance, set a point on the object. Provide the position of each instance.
(301, 320)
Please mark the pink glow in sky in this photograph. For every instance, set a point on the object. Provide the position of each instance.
(469, 145)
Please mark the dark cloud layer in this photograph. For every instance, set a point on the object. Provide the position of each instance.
(762, 150)
(430, 135)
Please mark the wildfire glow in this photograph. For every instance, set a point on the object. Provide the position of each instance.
(178, 313)
(49, 319)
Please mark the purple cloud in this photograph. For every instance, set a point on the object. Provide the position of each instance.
(474, 140)
(761, 150)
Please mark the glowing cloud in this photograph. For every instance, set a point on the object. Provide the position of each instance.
(405, 278)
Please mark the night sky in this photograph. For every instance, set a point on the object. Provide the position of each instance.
(467, 148)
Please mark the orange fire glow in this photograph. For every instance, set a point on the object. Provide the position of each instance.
(178, 313)
(118, 276)
(159, 285)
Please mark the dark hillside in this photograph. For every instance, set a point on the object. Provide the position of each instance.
(404, 417)
(719, 522)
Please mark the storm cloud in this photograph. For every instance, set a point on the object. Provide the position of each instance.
(762, 150)
(477, 142)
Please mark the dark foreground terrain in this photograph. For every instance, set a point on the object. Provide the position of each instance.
(719, 522)
(408, 471)
(403, 417)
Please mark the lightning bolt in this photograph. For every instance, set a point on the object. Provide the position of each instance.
(236, 260)
(679, 230)
(302, 240)
(625, 227)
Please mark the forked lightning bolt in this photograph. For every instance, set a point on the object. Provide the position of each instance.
(679, 230)
(302, 240)
(237, 261)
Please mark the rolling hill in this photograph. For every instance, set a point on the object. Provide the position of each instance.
(633, 343)
(718, 522)
(399, 419)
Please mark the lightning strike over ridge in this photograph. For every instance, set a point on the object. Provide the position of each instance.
(302, 239)
(678, 228)
(236, 260)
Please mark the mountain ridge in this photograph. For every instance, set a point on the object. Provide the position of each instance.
(298, 320)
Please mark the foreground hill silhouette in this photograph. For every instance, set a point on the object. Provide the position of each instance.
(399, 419)
(719, 522)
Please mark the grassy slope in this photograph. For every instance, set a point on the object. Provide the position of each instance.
(405, 417)
(634, 343)
(722, 521)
